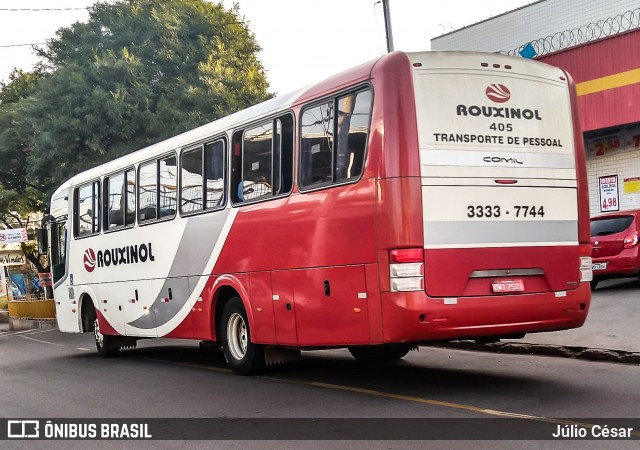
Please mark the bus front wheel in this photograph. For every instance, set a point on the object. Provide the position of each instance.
(243, 356)
(381, 353)
(105, 344)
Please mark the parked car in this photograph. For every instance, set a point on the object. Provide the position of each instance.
(615, 250)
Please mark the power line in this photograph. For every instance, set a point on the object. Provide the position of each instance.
(85, 7)
(22, 45)
(80, 9)
(41, 9)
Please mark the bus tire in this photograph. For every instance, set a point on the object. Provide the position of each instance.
(106, 345)
(243, 356)
(381, 353)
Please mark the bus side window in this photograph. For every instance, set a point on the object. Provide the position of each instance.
(214, 174)
(257, 160)
(130, 199)
(87, 204)
(354, 112)
(262, 160)
(168, 185)
(191, 181)
(114, 201)
(316, 145)
(147, 192)
(333, 139)
(119, 200)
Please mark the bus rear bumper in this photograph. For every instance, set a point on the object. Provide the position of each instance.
(415, 317)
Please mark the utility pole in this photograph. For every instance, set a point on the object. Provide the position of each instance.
(387, 25)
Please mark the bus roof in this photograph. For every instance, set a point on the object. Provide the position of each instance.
(281, 103)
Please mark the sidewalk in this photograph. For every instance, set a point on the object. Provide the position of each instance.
(611, 332)
(613, 322)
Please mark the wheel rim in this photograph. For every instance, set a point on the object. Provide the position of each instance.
(237, 336)
(96, 331)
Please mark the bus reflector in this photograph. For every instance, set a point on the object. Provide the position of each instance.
(406, 270)
(586, 268)
(407, 284)
(406, 255)
(585, 249)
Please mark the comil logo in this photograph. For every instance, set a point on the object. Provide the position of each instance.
(89, 260)
(498, 93)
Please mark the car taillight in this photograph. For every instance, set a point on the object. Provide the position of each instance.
(406, 269)
(631, 241)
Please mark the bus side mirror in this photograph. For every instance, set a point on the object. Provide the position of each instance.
(43, 241)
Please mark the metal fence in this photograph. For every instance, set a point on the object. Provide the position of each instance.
(581, 35)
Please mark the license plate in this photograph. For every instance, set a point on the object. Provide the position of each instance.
(512, 285)
(598, 266)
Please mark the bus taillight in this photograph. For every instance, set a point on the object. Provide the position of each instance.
(406, 271)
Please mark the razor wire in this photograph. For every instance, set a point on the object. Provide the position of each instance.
(583, 34)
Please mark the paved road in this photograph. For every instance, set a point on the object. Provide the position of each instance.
(47, 374)
(613, 322)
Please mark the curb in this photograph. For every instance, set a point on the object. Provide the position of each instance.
(518, 348)
(20, 323)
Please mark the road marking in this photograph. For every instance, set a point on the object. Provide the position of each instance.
(409, 398)
(364, 391)
(191, 365)
(43, 342)
(428, 401)
(212, 369)
(18, 333)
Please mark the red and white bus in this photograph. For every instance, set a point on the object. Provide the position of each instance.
(419, 197)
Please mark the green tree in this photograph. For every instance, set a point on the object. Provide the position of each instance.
(136, 73)
(14, 131)
(18, 213)
(18, 198)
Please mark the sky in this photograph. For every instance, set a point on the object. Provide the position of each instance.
(303, 41)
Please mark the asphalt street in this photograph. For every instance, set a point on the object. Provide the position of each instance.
(612, 323)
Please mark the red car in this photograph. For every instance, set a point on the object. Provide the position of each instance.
(615, 253)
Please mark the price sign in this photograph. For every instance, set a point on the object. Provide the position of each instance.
(609, 198)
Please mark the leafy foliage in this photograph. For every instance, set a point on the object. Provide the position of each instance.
(137, 72)
(18, 198)
(134, 74)
(14, 132)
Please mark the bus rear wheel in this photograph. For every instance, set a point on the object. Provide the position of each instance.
(243, 356)
(380, 353)
(106, 345)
